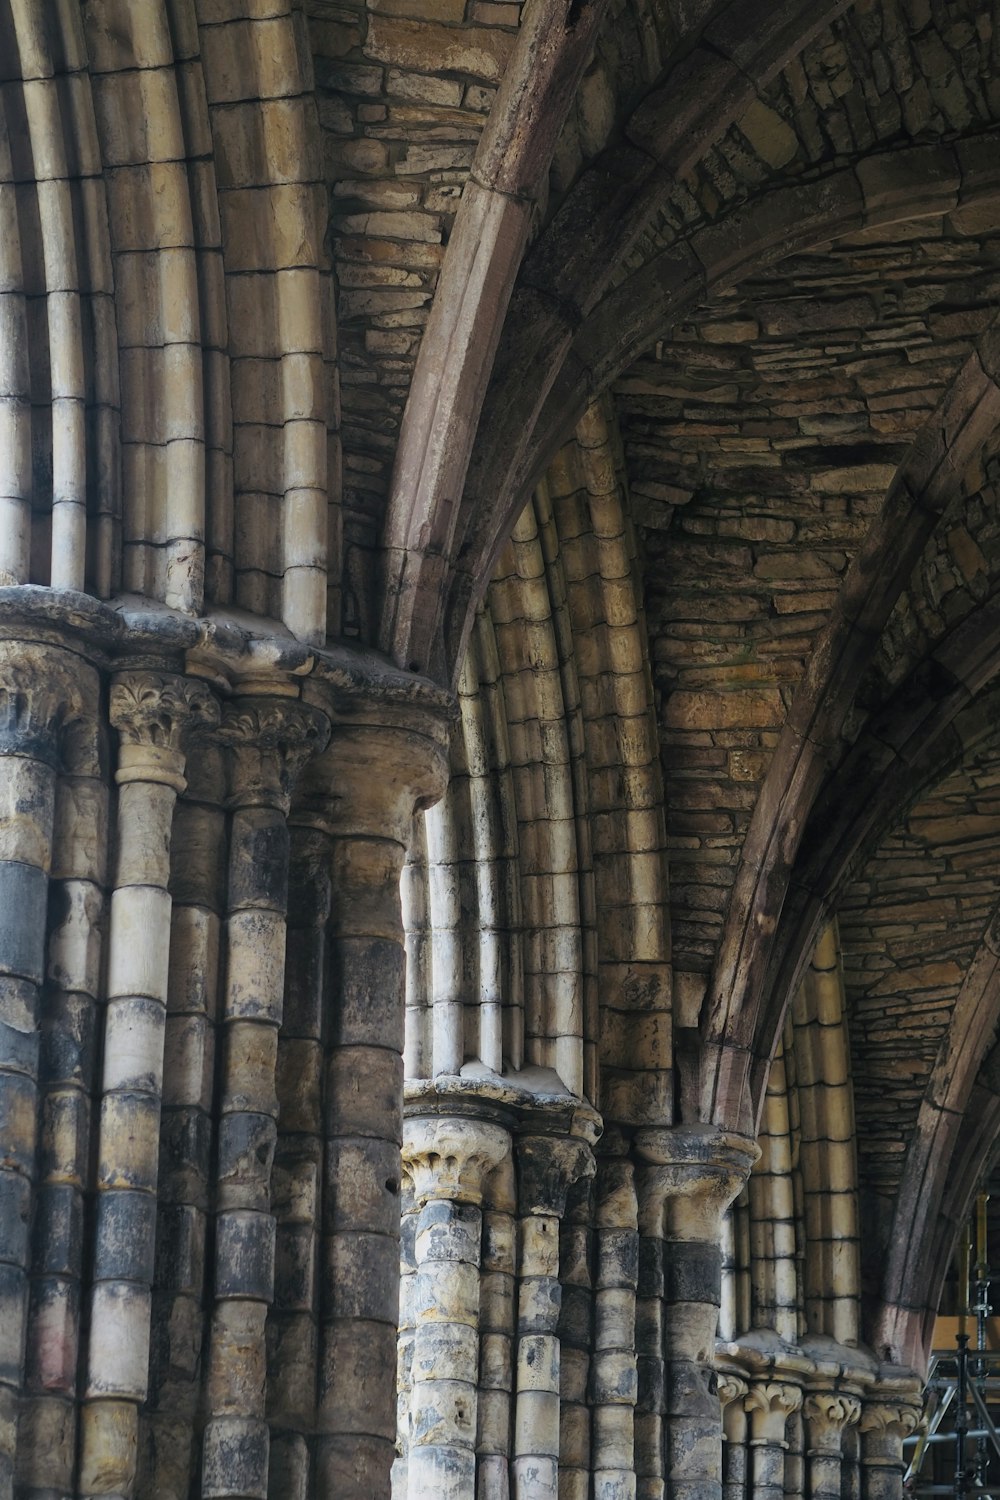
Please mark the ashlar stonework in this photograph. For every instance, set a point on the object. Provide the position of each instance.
(499, 749)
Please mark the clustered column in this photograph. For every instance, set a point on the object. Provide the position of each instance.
(547, 1167)
(449, 1159)
(37, 694)
(694, 1173)
(363, 792)
(887, 1418)
(269, 740)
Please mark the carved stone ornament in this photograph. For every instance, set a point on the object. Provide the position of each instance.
(773, 1397)
(451, 1157)
(154, 713)
(894, 1419)
(731, 1387)
(829, 1412)
(39, 694)
(157, 709)
(270, 740)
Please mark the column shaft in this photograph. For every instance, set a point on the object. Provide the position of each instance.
(292, 1333)
(695, 1174)
(363, 792)
(48, 1420)
(268, 740)
(827, 1413)
(770, 1403)
(36, 692)
(448, 1158)
(171, 1424)
(151, 712)
(497, 1317)
(884, 1425)
(547, 1167)
(613, 1377)
(732, 1391)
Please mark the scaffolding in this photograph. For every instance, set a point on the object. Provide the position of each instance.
(961, 1387)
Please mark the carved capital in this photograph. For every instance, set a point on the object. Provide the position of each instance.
(731, 1387)
(891, 1419)
(547, 1167)
(40, 693)
(154, 713)
(372, 779)
(770, 1403)
(828, 1413)
(451, 1157)
(774, 1396)
(270, 740)
(694, 1173)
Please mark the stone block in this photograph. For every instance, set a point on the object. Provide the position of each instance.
(244, 1259)
(57, 1234)
(125, 1233)
(22, 920)
(235, 1458)
(429, 47)
(362, 1274)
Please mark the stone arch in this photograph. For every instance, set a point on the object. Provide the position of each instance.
(60, 483)
(564, 273)
(860, 803)
(556, 895)
(515, 447)
(956, 431)
(931, 1157)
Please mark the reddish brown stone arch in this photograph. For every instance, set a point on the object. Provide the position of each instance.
(901, 1327)
(932, 1157)
(472, 339)
(738, 1023)
(532, 405)
(458, 348)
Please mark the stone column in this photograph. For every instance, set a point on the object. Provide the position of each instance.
(497, 1322)
(268, 740)
(613, 1371)
(650, 1401)
(170, 1424)
(152, 712)
(292, 1334)
(770, 1403)
(887, 1418)
(733, 1388)
(47, 1425)
(37, 693)
(694, 1173)
(827, 1414)
(547, 1167)
(448, 1157)
(363, 792)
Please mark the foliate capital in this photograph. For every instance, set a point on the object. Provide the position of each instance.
(154, 713)
(547, 1167)
(693, 1175)
(892, 1419)
(731, 1387)
(451, 1158)
(270, 740)
(828, 1413)
(770, 1403)
(40, 692)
